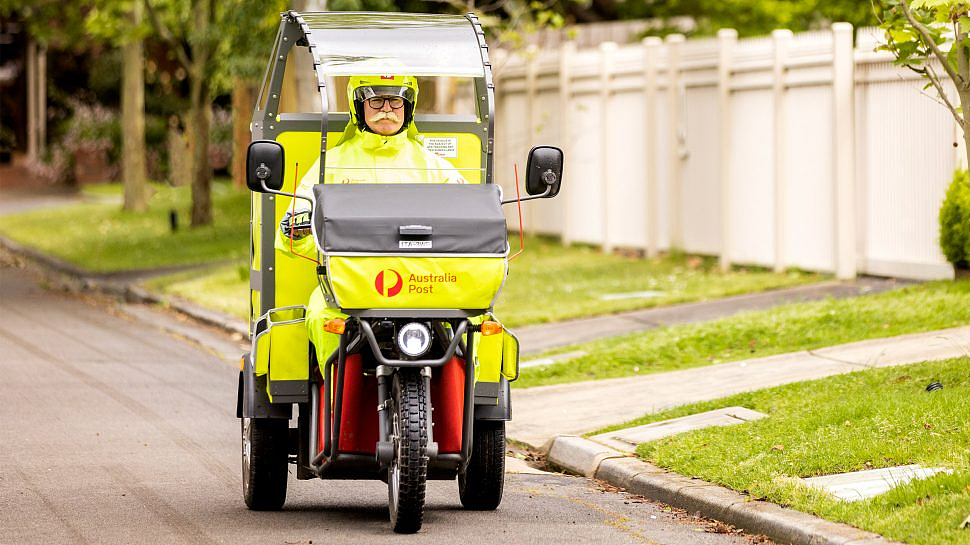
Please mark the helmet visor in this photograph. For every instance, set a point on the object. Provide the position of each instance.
(368, 92)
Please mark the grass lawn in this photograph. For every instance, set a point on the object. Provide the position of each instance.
(100, 237)
(789, 328)
(548, 282)
(863, 420)
(224, 288)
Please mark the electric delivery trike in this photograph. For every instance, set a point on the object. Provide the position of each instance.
(418, 385)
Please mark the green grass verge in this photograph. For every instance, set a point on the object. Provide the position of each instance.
(550, 282)
(224, 288)
(869, 419)
(100, 237)
(787, 328)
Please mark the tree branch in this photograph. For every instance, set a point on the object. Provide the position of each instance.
(167, 36)
(935, 80)
(928, 39)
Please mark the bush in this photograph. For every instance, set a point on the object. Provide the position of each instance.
(955, 221)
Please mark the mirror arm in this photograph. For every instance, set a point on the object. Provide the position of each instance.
(262, 184)
(531, 197)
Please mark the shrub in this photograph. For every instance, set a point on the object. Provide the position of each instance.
(955, 221)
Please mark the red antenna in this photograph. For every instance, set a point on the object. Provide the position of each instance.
(518, 200)
(296, 177)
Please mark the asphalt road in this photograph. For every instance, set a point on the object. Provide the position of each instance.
(115, 430)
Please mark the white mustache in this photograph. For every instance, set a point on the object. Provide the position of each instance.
(384, 115)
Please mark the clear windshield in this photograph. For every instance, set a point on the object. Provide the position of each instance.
(395, 43)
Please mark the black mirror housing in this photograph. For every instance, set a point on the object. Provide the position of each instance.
(543, 175)
(264, 166)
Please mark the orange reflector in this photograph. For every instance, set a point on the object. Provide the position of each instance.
(491, 328)
(242, 363)
(337, 326)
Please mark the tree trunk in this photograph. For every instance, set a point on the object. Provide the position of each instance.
(200, 112)
(243, 100)
(133, 121)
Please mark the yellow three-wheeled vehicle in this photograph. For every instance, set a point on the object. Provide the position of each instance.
(381, 335)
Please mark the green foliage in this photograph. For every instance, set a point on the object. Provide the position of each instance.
(249, 29)
(112, 21)
(955, 221)
(55, 23)
(756, 17)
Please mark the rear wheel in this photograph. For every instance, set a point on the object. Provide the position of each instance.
(265, 456)
(481, 484)
(408, 472)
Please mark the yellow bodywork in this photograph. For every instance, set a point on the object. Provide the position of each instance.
(416, 282)
(426, 282)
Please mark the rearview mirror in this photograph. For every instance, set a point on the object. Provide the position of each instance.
(543, 175)
(264, 166)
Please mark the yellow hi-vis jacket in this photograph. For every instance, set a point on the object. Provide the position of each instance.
(369, 158)
(365, 158)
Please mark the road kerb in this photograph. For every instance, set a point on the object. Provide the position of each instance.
(579, 455)
(785, 526)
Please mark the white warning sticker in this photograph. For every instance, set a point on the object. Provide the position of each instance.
(442, 146)
(411, 244)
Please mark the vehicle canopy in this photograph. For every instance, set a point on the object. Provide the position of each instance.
(345, 44)
(313, 57)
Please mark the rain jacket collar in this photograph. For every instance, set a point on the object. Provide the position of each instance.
(377, 143)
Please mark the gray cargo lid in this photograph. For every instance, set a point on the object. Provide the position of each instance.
(409, 218)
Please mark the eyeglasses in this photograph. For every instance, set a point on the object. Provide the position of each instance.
(378, 102)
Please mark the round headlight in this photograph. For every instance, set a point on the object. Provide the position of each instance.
(414, 339)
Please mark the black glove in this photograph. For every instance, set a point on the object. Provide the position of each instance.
(296, 224)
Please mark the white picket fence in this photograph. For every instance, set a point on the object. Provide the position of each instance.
(788, 151)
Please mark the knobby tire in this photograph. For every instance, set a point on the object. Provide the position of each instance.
(409, 469)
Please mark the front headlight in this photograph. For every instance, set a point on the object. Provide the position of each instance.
(414, 339)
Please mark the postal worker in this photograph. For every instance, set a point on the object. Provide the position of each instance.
(379, 145)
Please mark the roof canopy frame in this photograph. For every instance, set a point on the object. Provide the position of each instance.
(295, 30)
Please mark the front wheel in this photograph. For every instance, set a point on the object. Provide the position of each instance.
(265, 455)
(480, 485)
(408, 472)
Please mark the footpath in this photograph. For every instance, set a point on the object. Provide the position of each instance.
(552, 418)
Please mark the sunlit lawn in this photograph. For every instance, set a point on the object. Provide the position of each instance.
(787, 328)
(100, 237)
(864, 420)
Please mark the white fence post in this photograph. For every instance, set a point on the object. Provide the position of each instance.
(726, 40)
(843, 92)
(651, 50)
(531, 89)
(566, 53)
(675, 137)
(781, 40)
(606, 77)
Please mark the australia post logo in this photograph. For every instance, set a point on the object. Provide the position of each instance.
(388, 282)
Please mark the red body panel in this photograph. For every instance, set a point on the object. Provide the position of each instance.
(358, 417)
(448, 399)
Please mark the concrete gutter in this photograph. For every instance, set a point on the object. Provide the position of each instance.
(785, 526)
